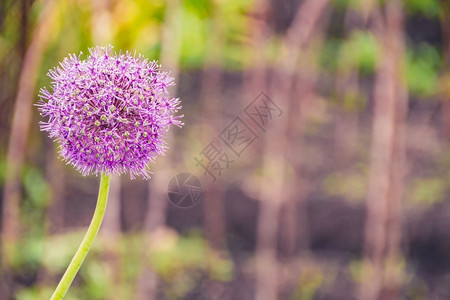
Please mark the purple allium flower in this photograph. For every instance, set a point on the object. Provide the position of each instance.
(110, 113)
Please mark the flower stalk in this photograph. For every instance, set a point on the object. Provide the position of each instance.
(85, 245)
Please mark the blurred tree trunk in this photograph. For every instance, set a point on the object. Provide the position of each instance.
(21, 120)
(254, 80)
(155, 219)
(214, 198)
(273, 183)
(382, 276)
(54, 215)
(56, 179)
(210, 95)
(101, 22)
(349, 96)
(25, 5)
(294, 223)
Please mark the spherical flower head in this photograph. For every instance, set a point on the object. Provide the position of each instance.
(110, 113)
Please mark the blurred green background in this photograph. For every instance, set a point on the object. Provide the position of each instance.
(342, 196)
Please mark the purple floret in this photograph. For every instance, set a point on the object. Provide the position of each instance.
(109, 113)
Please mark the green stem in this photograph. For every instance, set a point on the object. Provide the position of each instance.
(82, 251)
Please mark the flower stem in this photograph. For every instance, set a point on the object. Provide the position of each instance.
(82, 251)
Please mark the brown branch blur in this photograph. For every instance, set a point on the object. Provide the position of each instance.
(383, 272)
(21, 119)
(272, 186)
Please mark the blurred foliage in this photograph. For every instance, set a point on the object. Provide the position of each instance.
(182, 261)
(427, 191)
(36, 188)
(193, 41)
(356, 269)
(428, 8)
(422, 70)
(37, 292)
(26, 256)
(329, 55)
(9, 29)
(360, 51)
(353, 101)
(345, 4)
(311, 278)
(351, 186)
(59, 250)
(417, 289)
(361, 270)
(2, 169)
